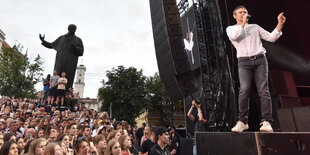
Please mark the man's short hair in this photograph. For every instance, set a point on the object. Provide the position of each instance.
(238, 7)
(21, 119)
(71, 124)
(12, 122)
(85, 127)
(153, 129)
(159, 131)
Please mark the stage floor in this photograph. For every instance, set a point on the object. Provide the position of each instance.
(253, 143)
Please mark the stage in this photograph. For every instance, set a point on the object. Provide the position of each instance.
(248, 143)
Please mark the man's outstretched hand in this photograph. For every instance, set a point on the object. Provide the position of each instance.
(41, 37)
(281, 18)
(281, 21)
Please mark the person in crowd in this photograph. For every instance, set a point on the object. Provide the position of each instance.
(162, 138)
(125, 143)
(114, 135)
(118, 125)
(33, 123)
(64, 138)
(174, 146)
(199, 120)
(61, 88)
(13, 128)
(53, 87)
(149, 143)
(31, 133)
(37, 147)
(83, 147)
(53, 133)
(54, 149)
(139, 133)
(200, 123)
(100, 143)
(41, 133)
(28, 142)
(87, 132)
(46, 88)
(2, 126)
(9, 148)
(43, 123)
(147, 134)
(1, 142)
(9, 136)
(113, 148)
(71, 98)
(20, 145)
(72, 132)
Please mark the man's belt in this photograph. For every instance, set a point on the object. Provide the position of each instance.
(254, 57)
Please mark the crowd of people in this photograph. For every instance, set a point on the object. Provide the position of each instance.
(40, 127)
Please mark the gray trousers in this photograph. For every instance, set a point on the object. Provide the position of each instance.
(259, 69)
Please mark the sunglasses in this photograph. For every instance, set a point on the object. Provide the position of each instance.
(81, 138)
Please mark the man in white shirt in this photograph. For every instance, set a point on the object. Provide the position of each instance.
(252, 61)
(188, 45)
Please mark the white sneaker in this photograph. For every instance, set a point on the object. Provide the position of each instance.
(266, 127)
(240, 127)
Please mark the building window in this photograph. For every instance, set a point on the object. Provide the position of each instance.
(80, 74)
(79, 80)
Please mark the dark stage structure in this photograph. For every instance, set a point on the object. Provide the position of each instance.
(197, 61)
(192, 60)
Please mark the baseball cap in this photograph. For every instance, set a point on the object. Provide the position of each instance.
(28, 111)
(42, 109)
(101, 121)
(160, 130)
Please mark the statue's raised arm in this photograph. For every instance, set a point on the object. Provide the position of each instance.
(45, 43)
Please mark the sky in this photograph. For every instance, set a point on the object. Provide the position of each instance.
(114, 32)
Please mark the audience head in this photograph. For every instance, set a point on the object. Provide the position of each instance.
(53, 149)
(113, 148)
(9, 148)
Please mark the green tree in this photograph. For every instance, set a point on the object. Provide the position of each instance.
(154, 89)
(125, 90)
(17, 74)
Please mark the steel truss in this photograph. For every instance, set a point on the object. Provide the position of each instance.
(166, 113)
(216, 80)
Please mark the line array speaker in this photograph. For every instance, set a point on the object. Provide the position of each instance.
(174, 69)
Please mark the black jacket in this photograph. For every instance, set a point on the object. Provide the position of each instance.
(156, 150)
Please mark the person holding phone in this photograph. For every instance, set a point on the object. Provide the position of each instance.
(200, 123)
(199, 120)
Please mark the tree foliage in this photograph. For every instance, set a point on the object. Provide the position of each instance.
(17, 74)
(126, 91)
(154, 88)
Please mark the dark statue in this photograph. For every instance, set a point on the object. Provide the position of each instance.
(69, 47)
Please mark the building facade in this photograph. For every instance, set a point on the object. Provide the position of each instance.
(2, 38)
(90, 103)
(79, 83)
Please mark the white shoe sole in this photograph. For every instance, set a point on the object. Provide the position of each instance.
(263, 130)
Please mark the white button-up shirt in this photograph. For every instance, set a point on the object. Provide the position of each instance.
(247, 40)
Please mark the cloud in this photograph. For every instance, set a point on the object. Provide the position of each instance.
(113, 32)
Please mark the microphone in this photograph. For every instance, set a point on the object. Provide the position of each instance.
(249, 16)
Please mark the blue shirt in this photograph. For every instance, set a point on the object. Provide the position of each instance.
(47, 86)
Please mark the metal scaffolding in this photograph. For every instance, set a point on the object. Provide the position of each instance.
(216, 79)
